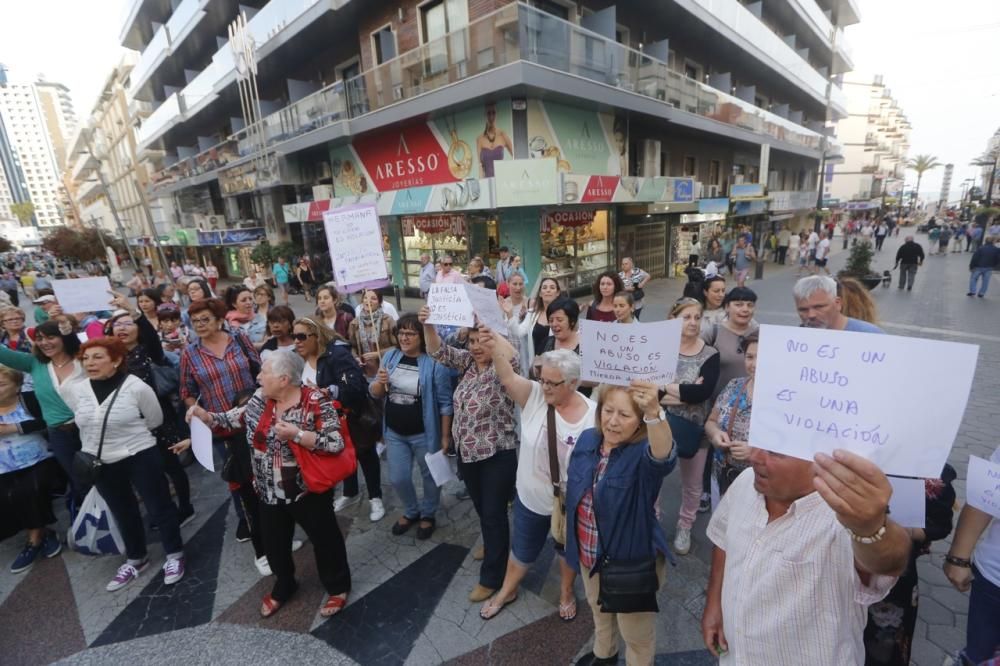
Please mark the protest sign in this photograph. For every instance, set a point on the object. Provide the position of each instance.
(354, 236)
(816, 390)
(88, 294)
(449, 305)
(618, 353)
(487, 309)
(982, 487)
(201, 444)
(908, 504)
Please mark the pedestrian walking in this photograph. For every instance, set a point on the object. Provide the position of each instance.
(635, 280)
(741, 258)
(822, 253)
(984, 261)
(282, 274)
(784, 238)
(881, 231)
(909, 257)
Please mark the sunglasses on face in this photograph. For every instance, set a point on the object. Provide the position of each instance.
(302, 337)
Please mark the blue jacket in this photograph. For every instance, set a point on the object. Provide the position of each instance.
(623, 499)
(435, 389)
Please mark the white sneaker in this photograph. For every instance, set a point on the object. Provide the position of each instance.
(682, 542)
(342, 503)
(377, 510)
(262, 566)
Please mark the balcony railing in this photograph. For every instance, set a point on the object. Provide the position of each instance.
(513, 33)
(150, 59)
(184, 18)
(165, 115)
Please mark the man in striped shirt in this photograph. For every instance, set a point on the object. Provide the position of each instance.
(801, 550)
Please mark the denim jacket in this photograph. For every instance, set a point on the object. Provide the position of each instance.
(435, 387)
(623, 499)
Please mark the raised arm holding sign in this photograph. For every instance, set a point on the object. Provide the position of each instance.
(817, 390)
(354, 236)
(617, 354)
(449, 305)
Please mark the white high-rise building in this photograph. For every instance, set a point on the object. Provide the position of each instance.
(29, 112)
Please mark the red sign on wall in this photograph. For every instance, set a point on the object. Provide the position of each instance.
(600, 189)
(567, 218)
(407, 157)
(434, 224)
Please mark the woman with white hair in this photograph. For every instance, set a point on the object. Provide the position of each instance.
(553, 414)
(281, 415)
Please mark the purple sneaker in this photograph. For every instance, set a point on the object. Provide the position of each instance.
(126, 574)
(173, 570)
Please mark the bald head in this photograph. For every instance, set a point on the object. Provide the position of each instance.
(909, 239)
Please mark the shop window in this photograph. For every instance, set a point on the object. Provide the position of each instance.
(714, 172)
(460, 236)
(575, 246)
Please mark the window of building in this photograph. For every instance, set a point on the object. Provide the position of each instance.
(437, 19)
(554, 7)
(690, 166)
(714, 173)
(384, 44)
(692, 70)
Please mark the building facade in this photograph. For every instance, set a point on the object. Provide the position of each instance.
(992, 150)
(875, 140)
(574, 133)
(33, 117)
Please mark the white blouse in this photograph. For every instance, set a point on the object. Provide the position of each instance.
(135, 413)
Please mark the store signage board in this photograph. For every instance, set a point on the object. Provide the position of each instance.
(408, 157)
(817, 390)
(354, 236)
(614, 353)
(88, 294)
(746, 190)
(716, 206)
(530, 182)
(567, 218)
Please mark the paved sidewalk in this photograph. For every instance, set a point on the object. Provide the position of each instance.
(408, 604)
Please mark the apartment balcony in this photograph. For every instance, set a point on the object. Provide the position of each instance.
(83, 165)
(152, 57)
(810, 15)
(741, 27)
(139, 109)
(516, 46)
(165, 116)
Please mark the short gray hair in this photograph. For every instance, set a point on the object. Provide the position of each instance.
(567, 362)
(811, 284)
(286, 363)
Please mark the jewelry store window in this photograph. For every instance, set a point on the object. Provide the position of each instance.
(575, 246)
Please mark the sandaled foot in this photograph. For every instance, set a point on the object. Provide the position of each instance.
(333, 605)
(493, 607)
(567, 611)
(269, 606)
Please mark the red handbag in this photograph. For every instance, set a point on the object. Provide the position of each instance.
(321, 470)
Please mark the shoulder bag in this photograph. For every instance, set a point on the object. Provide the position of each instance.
(626, 586)
(321, 470)
(242, 342)
(687, 435)
(87, 466)
(558, 526)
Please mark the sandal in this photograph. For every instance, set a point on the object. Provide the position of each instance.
(566, 609)
(490, 609)
(269, 606)
(403, 525)
(334, 604)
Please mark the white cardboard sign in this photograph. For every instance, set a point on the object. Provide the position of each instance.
(487, 309)
(449, 305)
(908, 504)
(201, 444)
(354, 236)
(614, 353)
(89, 294)
(817, 390)
(982, 487)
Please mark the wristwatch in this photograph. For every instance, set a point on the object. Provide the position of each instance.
(656, 419)
(298, 437)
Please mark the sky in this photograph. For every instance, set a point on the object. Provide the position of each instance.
(940, 59)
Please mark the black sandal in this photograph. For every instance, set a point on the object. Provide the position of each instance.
(399, 528)
(425, 532)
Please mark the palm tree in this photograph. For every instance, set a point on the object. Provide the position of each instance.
(23, 211)
(920, 164)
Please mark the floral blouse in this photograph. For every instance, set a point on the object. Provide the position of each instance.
(734, 403)
(484, 421)
(277, 478)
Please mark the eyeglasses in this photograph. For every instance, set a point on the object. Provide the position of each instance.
(202, 321)
(302, 337)
(123, 324)
(549, 384)
(406, 334)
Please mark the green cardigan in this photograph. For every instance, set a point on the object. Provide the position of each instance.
(54, 410)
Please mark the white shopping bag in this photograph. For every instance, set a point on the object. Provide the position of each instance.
(95, 532)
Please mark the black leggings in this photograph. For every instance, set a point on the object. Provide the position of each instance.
(372, 469)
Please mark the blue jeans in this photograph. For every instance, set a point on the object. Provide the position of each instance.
(978, 273)
(982, 633)
(402, 450)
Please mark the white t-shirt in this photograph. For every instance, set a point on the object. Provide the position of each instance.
(987, 555)
(308, 374)
(813, 239)
(866, 231)
(534, 482)
(823, 249)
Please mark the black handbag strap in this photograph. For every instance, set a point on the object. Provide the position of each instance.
(553, 454)
(107, 413)
(254, 365)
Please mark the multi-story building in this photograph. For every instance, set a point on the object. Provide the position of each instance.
(875, 140)
(31, 169)
(60, 120)
(986, 170)
(574, 133)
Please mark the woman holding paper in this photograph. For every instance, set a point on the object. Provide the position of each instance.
(533, 330)
(687, 401)
(485, 432)
(416, 391)
(554, 396)
(116, 412)
(728, 426)
(371, 333)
